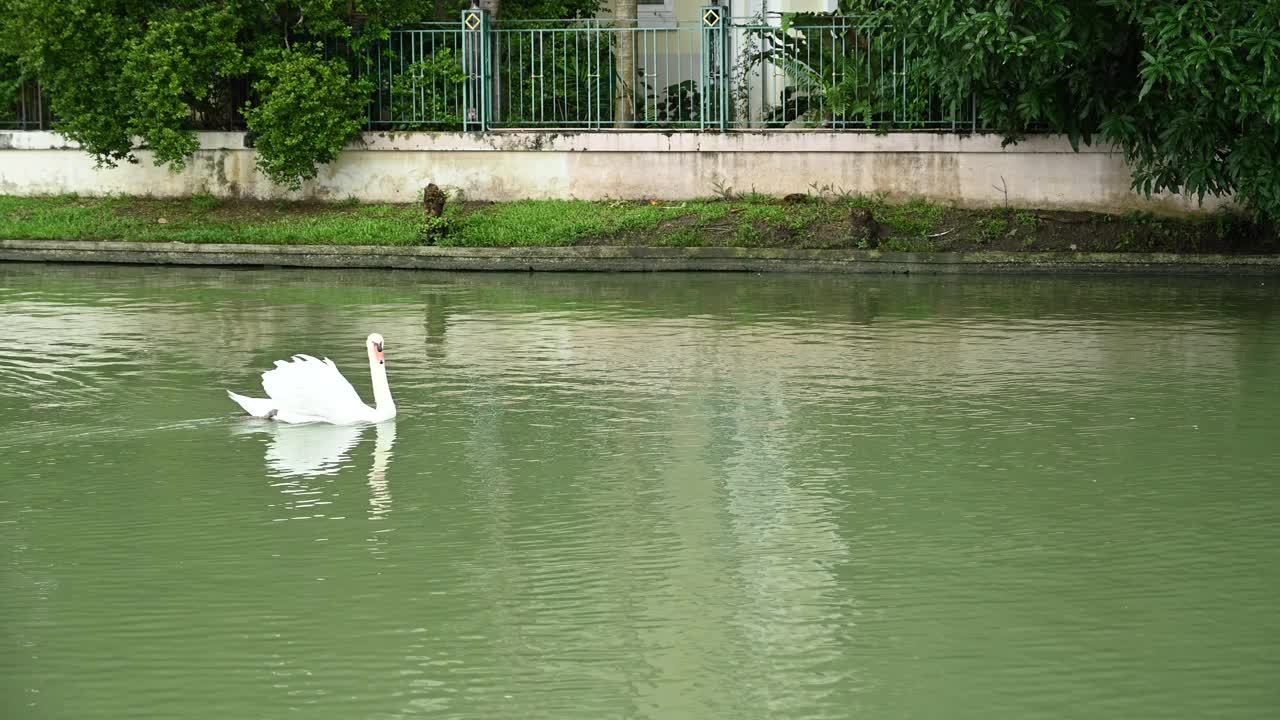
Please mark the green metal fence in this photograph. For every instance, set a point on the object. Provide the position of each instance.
(24, 106)
(571, 75)
(718, 73)
(841, 73)
(418, 79)
(715, 74)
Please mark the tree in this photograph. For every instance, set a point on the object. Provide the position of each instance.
(1188, 89)
(158, 70)
(310, 108)
(117, 70)
(624, 62)
(494, 9)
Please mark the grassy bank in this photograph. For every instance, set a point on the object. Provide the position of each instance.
(819, 220)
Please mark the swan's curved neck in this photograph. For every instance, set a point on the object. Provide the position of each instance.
(382, 401)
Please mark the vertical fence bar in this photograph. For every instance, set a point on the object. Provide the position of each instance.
(723, 89)
(476, 93)
(592, 120)
(486, 79)
(715, 80)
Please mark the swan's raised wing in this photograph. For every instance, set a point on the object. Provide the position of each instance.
(306, 387)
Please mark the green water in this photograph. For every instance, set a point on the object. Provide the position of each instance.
(658, 496)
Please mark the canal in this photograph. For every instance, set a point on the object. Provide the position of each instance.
(641, 496)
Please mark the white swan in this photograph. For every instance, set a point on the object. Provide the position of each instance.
(305, 390)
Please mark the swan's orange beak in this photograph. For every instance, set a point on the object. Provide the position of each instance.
(377, 348)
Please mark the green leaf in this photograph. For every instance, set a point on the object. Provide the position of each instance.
(1146, 87)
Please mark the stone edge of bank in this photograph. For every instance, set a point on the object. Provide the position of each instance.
(628, 259)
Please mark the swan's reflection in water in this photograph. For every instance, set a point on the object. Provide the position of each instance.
(299, 454)
(309, 451)
(379, 490)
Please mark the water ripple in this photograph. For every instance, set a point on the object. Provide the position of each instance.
(656, 496)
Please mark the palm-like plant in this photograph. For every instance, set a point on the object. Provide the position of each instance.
(835, 70)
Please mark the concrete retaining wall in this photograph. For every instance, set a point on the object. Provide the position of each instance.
(631, 259)
(967, 171)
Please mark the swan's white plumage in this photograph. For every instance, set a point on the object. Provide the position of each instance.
(306, 389)
(257, 407)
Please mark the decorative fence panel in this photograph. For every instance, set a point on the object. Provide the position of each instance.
(716, 74)
(418, 79)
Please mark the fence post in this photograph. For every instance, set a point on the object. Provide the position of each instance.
(477, 100)
(715, 69)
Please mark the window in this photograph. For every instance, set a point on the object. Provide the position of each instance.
(656, 13)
